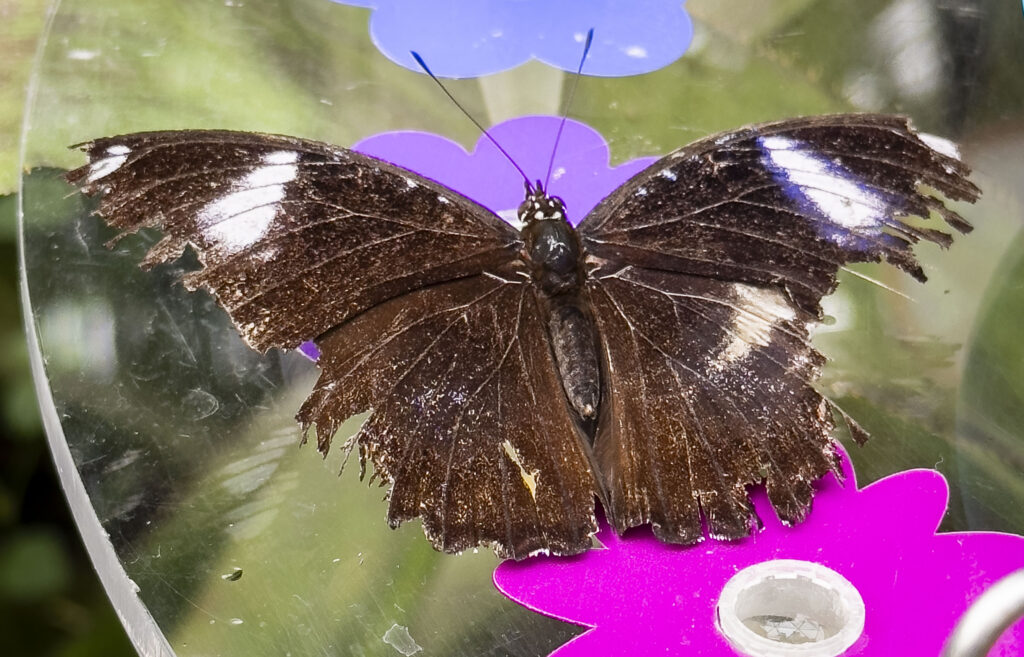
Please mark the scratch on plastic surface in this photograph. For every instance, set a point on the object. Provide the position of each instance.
(176, 331)
(398, 637)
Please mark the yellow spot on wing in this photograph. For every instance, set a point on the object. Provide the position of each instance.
(529, 478)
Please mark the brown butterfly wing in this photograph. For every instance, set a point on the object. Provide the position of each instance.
(294, 236)
(784, 204)
(708, 392)
(416, 300)
(468, 417)
(708, 267)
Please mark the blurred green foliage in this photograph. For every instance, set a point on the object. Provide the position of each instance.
(51, 603)
(21, 22)
(50, 600)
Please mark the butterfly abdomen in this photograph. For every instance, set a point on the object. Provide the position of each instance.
(575, 346)
(554, 255)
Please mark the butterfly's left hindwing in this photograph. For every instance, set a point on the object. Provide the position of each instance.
(468, 417)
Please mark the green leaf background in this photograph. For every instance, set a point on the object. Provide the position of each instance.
(189, 453)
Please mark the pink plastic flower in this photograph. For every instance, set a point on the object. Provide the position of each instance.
(641, 597)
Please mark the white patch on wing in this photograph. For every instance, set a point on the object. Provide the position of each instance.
(825, 184)
(757, 311)
(112, 160)
(940, 144)
(243, 216)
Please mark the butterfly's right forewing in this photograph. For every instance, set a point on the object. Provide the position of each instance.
(785, 204)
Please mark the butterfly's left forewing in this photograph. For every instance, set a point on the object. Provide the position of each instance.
(294, 236)
(417, 299)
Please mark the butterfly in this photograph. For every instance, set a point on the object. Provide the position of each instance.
(656, 358)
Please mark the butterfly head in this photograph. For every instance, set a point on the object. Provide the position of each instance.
(538, 206)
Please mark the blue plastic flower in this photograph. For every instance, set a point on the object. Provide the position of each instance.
(471, 39)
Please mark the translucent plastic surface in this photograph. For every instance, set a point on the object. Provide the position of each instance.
(215, 533)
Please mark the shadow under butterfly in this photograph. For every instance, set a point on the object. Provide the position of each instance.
(655, 358)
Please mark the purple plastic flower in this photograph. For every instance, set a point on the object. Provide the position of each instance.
(641, 597)
(581, 175)
(470, 39)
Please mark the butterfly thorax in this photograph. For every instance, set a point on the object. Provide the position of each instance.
(552, 246)
(554, 255)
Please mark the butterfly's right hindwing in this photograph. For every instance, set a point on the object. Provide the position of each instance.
(708, 391)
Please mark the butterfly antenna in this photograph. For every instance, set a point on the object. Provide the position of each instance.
(423, 65)
(568, 104)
